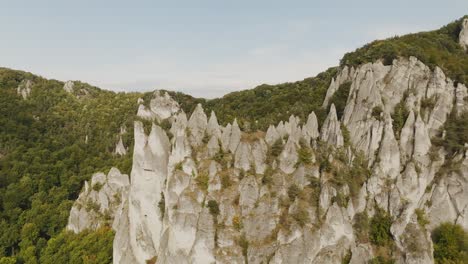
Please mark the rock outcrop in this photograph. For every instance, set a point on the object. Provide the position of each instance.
(68, 86)
(24, 88)
(161, 107)
(215, 194)
(100, 201)
(463, 38)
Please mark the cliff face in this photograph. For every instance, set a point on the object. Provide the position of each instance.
(210, 193)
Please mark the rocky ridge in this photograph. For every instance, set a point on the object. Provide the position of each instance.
(211, 193)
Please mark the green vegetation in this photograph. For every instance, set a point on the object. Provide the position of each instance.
(213, 207)
(379, 231)
(301, 216)
(376, 112)
(381, 260)
(162, 205)
(293, 192)
(244, 244)
(421, 217)
(276, 149)
(399, 116)
(450, 244)
(53, 141)
(434, 48)
(456, 133)
(86, 247)
(202, 181)
(50, 144)
(268, 104)
(304, 156)
(340, 97)
(361, 227)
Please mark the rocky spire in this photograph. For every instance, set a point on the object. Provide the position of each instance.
(149, 173)
(197, 125)
(24, 88)
(331, 129)
(120, 148)
(271, 135)
(235, 137)
(311, 127)
(103, 192)
(68, 86)
(213, 128)
(463, 37)
(163, 106)
(288, 157)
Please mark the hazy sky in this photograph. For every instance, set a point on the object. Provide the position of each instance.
(204, 48)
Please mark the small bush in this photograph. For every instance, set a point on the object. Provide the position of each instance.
(304, 156)
(377, 112)
(293, 191)
(421, 216)
(399, 116)
(97, 186)
(178, 166)
(162, 205)
(450, 244)
(213, 207)
(244, 244)
(361, 227)
(381, 260)
(301, 216)
(225, 181)
(276, 148)
(380, 228)
(202, 181)
(237, 222)
(340, 98)
(267, 176)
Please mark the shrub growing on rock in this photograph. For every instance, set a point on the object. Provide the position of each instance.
(450, 244)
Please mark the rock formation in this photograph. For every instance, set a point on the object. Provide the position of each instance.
(463, 38)
(24, 88)
(215, 194)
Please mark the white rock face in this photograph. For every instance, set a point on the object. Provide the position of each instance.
(311, 127)
(463, 38)
(68, 86)
(120, 148)
(197, 125)
(98, 203)
(149, 172)
(161, 107)
(331, 129)
(288, 157)
(24, 88)
(201, 196)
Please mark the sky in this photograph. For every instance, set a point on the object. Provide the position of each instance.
(203, 48)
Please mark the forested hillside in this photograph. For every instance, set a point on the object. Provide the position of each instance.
(53, 140)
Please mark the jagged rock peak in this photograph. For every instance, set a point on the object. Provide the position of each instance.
(463, 38)
(213, 128)
(271, 135)
(120, 148)
(68, 86)
(311, 127)
(161, 107)
(99, 198)
(197, 125)
(235, 136)
(331, 129)
(24, 88)
(343, 76)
